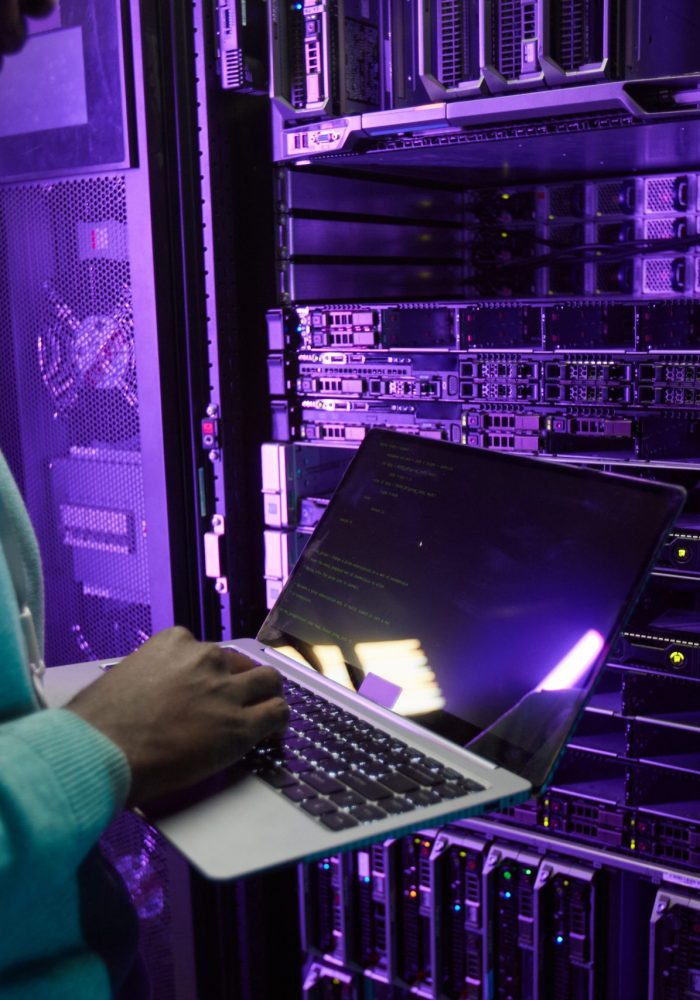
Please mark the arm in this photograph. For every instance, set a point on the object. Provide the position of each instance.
(173, 712)
(61, 783)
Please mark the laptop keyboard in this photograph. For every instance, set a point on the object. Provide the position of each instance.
(345, 772)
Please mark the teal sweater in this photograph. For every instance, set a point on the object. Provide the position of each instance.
(61, 783)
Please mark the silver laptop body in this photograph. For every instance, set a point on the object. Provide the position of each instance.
(512, 574)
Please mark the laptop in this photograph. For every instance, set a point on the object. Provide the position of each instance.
(439, 638)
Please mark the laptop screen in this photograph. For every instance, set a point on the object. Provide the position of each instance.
(475, 592)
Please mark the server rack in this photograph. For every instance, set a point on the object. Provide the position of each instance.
(509, 260)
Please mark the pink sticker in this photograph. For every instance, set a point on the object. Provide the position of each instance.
(380, 691)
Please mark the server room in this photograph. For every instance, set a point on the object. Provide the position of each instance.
(246, 246)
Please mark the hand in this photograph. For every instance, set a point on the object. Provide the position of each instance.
(13, 29)
(182, 709)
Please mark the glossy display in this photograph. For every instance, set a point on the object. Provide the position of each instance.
(486, 588)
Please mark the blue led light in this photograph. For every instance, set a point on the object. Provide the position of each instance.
(507, 895)
(457, 907)
(326, 866)
(559, 939)
(367, 878)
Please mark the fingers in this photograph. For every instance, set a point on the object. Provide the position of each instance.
(233, 661)
(38, 8)
(257, 685)
(267, 717)
(13, 30)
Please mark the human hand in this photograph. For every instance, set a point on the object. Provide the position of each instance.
(182, 709)
(13, 28)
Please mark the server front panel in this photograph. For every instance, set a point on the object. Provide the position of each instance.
(557, 321)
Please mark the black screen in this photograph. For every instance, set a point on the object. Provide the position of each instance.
(486, 587)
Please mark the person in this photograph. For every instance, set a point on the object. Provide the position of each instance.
(168, 715)
(163, 718)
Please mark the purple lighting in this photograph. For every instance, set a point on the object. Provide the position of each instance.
(572, 667)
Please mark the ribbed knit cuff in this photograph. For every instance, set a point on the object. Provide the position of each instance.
(92, 772)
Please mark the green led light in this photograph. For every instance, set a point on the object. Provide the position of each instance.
(528, 871)
(507, 875)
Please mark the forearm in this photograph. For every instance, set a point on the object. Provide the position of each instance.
(61, 783)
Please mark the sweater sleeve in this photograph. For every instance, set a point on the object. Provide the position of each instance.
(61, 784)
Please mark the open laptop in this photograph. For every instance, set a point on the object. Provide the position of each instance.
(439, 636)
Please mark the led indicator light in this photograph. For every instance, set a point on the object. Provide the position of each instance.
(676, 657)
(528, 871)
(559, 939)
(507, 876)
(457, 907)
(507, 895)
(413, 894)
(367, 879)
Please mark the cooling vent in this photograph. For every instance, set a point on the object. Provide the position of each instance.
(454, 43)
(66, 307)
(569, 33)
(81, 356)
(233, 69)
(663, 275)
(666, 194)
(507, 36)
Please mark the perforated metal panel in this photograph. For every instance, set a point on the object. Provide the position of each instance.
(507, 35)
(661, 275)
(567, 200)
(614, 198)
(664, 194)
(454, 45)
(139, 854)
(570, 36)
(662, 229)
(71, 427)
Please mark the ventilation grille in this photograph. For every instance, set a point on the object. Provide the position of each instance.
(139, 854)
(67, 309)
(662, 275)
(664, 194)
(569, 33)
(507, 36)
(660, 229)
(297, 72)
(615, 198)
(455, 43)
(566, 201)
(234, 75)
